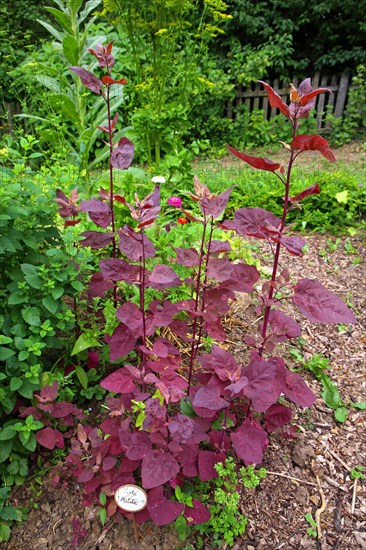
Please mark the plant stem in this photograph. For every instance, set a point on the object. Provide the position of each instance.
(194, 345)
(278, 247)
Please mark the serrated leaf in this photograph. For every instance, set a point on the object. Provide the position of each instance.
(5, 353)
(5, 339)
(15, 383)
(7, 433)
(50, 304)
(31, 316)
(4, 532)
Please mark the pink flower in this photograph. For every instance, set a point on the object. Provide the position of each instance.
(175, 201)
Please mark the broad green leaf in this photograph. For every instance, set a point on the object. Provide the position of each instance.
(70, 48)
(50, 304)
(82, 376)
(89, 7)
(341, 414)
(5, 339)
(85, 341)
(4, 532)
(342, 197)
(330, 393)
(361, 405)
(49, 82)
(28, 439)
(51, 30)
(62, 19)
(31, 315)
(9, 513)
(75, 5)
(15, 383)
(7, 433)
(5, 353)
(27, 389)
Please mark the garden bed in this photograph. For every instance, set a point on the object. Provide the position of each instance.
(311, 474)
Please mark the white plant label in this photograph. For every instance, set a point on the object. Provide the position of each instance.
(130, 498)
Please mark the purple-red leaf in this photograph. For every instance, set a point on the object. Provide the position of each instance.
(115, 269)
(215, 206)
(98, 285)
(309, 142)
(198, 514)
(257, 162)
(123, 154)
(275, 100)
(277, 416)
(157, 468)
(249, 442)
(88, 79)
(163, 276)
(96, 239)
(206, 463)
(162, 511)
(222, 363)
(187, 256)
(99, 211)
(139, 445)
(50, 438)
(130, 315)
(320, 305)
(207, 402)
(135, 245)
(121, 343)
(252, 221)
(297, 391)
(118, 382)
(266, 382)
(294, 245)
(312, 190)
(283, 326)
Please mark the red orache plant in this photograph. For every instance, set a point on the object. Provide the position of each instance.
(172, 419)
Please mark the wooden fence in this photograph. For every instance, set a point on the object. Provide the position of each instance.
(326, 104)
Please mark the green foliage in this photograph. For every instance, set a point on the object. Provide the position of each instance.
(222, 496)
(353, 121)
(8, 514)
(312, 531)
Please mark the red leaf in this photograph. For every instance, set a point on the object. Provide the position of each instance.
(187, 256)
(215, 206)
(283, 326)
(99, 211)
(130, 315)
(222, 363)
(118, 382)
(88, 79)
(277, 416)
(162, 511)
(198, 514)
(139, 445)
(207, 402)
(297, 391)
(307, 97)
(50, 438)
(257, 162)
(319, 304)
(249, 442)
(294, 245)
(312, 190)
(71, 222)
(206, 463)
(275, 100)
(309, 142)
(122, 156)
(121, 343)
(252, 221)
(157, 468)
(266, 382)
(115, 269)
(162, 277)
(135, 245)
(108, 80)
(98, 286)
(96, 239)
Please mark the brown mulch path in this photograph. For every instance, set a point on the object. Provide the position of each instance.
(308, 475)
